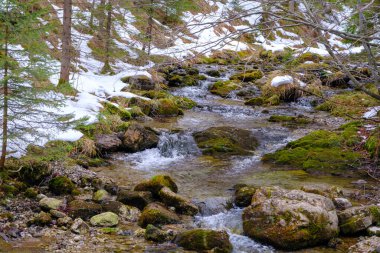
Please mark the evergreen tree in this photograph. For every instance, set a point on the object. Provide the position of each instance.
(26, 93)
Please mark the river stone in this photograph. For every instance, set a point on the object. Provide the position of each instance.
(125, 212)
(156, 183)
(201, 240)
(79, 227)
(370, 245)
(57, 214)
(342, 203)
(83, 209)
(64, 221)
(373, 231)
(100, 196)
(213, 205)
(157, 214)
(155, 234)
(107, 142)
(50, 203)
(138, 138)
(41, 219)
(139, 199)
(356, 219)
(225, 141)
(181, 204)
(243, 195)
(107, 219)
(290, 219)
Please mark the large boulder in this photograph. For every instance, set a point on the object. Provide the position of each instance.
(157, 214)
(107, 142)
(200, 240)
(369, 245)
(290, 219)
(156, 183)
(139, 82)
(83, 209)
(139, 199)
(181, 204)
(357, 219)
(226, 141)
(138, 138)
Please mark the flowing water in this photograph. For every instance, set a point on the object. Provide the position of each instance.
(209, 180)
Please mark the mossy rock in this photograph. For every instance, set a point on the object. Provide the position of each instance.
(157, 214)
(166, 107)
(61, 185)
(223, 88)
(83, 209)
(290, 120)
(182, 81)
(41, 219)
(273, 100)
(357, 219)
(320, 152)
(213, 73)
(107, 219)
(185, 103)
(312, 68)
(308, 56)
(225, 141)
(181, 204)
(243, 195)
(257, 101)
(372, 145)
(33, 169)
(31, 193)
(139, 199)
(156, 183)
(351, 103)
(117, 110)
(155, 234)
(200, 240)
(248, 75)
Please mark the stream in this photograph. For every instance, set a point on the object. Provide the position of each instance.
(209, 181)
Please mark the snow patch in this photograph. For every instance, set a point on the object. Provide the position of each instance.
(281, 80)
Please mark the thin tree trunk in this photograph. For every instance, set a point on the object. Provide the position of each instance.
(66, 42)
(291, 6)
(107, 66)
(92, 13)
(5, 108)
(150, 26)
(102, 17)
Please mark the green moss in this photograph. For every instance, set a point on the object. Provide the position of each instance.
(185, 103)
(61, 185)
(348, 104)
(166, 107)
(311, 67)
(290, 120)
(221, 145)
(213, 73)
(156, 183)
(9, 190)
(273, 100)
(223, 88)
(257, 101)
(375, 212)
(31, 193)
(117, 110)
(248, 76)
(112, 231)
(319, 151)
(372, 145)
(182, 81)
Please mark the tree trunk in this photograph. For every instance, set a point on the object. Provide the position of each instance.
(5, 108)
(150, 27)
(102, 17)
(107, 67)
(291, 6)
(66, 42)
(92, 13)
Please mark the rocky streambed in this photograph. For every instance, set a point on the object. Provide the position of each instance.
(220, 195)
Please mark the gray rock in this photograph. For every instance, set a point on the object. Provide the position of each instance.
(107, 219)
(83, 209)
(157, 214)
(107, 142)
(356, 219)
(100, 196)
(139, 199)
(342, 203)
(139, 82)
(369, 245)
(125, 212)
(50, 203)
(57, 214)
(64, 221)
(79, 227)
(138, 138)
(373, 231)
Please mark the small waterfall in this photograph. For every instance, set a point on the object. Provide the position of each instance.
(179, 144)
(172, 147)
(231, 222)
